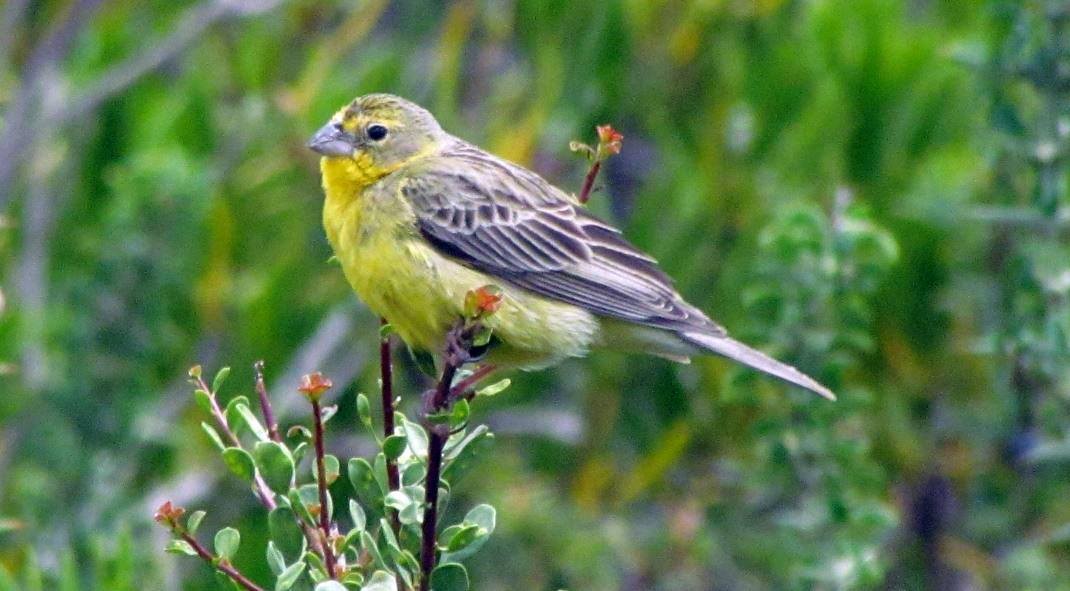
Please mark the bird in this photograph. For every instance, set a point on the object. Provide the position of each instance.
(418, 218)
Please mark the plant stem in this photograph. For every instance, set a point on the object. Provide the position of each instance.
(387, 374)
(588, 181)
(462, 387)
(265, 403)
(438, 434)
(263, 492)
(226, 568)
(321, 481)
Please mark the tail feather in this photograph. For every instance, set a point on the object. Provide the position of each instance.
(737, 351)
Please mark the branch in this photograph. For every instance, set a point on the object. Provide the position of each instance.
(265, 403)
(387, 375)
(313, 386)
(168, 515)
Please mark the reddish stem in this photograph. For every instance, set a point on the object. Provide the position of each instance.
(387, 371)
(227, 568)
(588, 181)
(263, 492)
(436, 442)
(462, 387)
(265, 402)
(321, 471)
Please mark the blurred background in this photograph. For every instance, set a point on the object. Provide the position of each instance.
(874, 190)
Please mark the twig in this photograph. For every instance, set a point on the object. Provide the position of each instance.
(321, 482)
(464, 387)
(265, 402)
(458, 343)
(386, 370)
(224, 566)
(588, 181)
(263, 491)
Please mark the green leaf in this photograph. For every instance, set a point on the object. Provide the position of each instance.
(203, 399)
(389, 537)
(364, 410)
(495, 388)
(240, 462)
(360, 520)
(285, 533)
(276, 465)
(317, 570)
(415, 434)
(362, 477)
(464, 536)
(483, 515)
(449, 577)
(414, 472)
(220, 377)
(299, 431)
(462, 449)
(367, 543)
(299, 506)
(381, 581)
(234, 418)
(385, 330)
(397, 499)
(289, 576)
(394, 446)
(310, 496)
(330, 586)
(330, 469)
(459, 413)
(194, 522)
(226, 543)
(275, 560)
(213, 435)
(252, 422)
(424, 361)
(180, 547)
(379, 471)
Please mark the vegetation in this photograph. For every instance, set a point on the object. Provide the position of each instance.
(874, 190)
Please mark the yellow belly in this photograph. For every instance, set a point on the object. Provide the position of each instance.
(421, 293)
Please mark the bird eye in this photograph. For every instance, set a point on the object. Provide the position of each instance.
(376, 132)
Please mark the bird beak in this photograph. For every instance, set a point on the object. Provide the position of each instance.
(331, 141)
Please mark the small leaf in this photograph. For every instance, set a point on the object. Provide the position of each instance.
(364, 411)
(310, 495)
(416, 435)
(449, 577)
(397, 499)
(483, 515)
(367, 543)
(464, 536)
(363, 481)
(285, 533)
(219, 378)
(275, 560)
(289, 576)
(381, 581)
(330, 469)
(180, 547)
(203, 399)
(394, 446)
(299, 431)
(194, 522)
(389, 537)
(234, 419)
(425, 362)
(276, 465)
(226, 543)
(360, 520)
(460, 412)
(379, 471)
(252, 422)
(494, 388)
(240, 462)
(213, 435)
(330, 586)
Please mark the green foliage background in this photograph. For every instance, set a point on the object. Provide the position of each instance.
(874, 190)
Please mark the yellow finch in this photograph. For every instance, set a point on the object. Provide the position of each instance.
(418, 217)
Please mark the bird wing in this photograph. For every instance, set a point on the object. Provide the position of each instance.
(510, 223)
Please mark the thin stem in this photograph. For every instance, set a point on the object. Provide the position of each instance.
(227, 568)
(263, 492)
(386, 369)
(588, 181)
(265, 403)
(321, 481)
(436, 442)
(462, 387)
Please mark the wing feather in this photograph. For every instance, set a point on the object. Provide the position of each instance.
(510, 223)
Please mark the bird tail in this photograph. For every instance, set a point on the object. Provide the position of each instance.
(737, 351)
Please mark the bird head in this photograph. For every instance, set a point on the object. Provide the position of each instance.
(378, 132)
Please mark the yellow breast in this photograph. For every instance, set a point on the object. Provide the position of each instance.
(419, 291)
